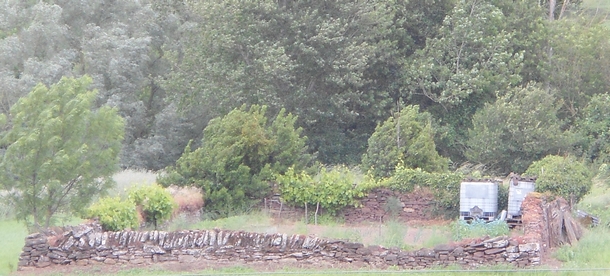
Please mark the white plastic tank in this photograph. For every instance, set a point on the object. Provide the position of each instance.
(478, 200)
(517, 191)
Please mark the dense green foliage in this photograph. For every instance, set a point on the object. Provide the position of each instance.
(580, 49)
(114, 214)
(238, 155)
(172, 68)
(503, 191)
(60, 150)
(445, 186)
(155, 203)
(333, 189)
(594, 128)
(562, 176)
(406, 137)
(518, 129)
(463, 68)
(478, 228)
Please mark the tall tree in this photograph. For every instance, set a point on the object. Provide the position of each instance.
(594, 130)
(406, 137)
(516, 130)
(580, 62)
(121, 45)
(330, 63)
(60, 151)
(462, 69)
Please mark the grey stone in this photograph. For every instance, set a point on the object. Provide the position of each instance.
(444, 247)
(353, 245)
(458, 251)
(155, 249)
(54, 255)
(270, 258)
(81, 230)
(494, 251)
(42, 264)
(529, 247)
(33, 236)
(32, 242)
(500, 244)
(22, 263)
(425, 253)
(137, 261)
(119, 253)
(110, 261)
(68, 243)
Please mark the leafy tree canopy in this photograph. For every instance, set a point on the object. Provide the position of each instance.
(155, 203)
(462, 68)
(579, 50)
(518, 129)
(562, 176)
(334, 64)
(239, 153)
(594, 129)
(60, 151)
(408, 137)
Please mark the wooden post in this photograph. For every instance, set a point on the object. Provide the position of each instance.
(316, 215)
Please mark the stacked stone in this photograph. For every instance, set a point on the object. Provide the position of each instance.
(35, 251)
(87, 244)
(413, 206)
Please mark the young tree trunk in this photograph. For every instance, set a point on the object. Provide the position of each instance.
(316, 215)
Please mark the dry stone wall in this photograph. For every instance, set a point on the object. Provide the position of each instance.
(87, 245)
(377, 206)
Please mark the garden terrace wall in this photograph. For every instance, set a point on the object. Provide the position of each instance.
(87, 245)
(413, 206)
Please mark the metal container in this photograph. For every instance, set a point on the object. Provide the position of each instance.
(516, 194)
(478, 200)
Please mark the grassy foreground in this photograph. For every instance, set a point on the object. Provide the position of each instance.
(12, 236)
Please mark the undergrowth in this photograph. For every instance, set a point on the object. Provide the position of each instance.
(477, 228)
(394, 235)
(590, 252)
(12, 236)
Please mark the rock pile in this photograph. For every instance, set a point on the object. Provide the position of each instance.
(87, 244)
(383, 204)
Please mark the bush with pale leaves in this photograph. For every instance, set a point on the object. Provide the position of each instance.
(189, 199)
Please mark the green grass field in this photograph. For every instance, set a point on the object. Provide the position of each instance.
(12, 236)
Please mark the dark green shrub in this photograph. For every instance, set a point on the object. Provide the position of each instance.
(562, 176)
(502, 197)
(114, 214)
(239, 154)
(516, 130)
(593, 129)
(155, 203)
(407, 137)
